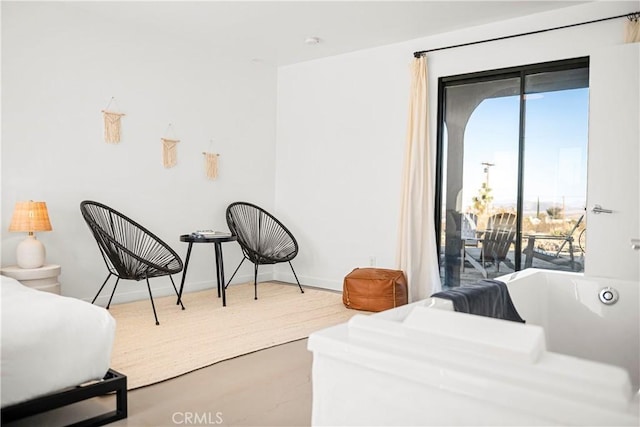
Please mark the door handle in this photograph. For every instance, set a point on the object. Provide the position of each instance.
(635, 244)
(597, 209)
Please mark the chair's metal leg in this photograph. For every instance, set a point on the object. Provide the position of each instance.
(176, 289)
(103, 283)
(234, 273)
(113, 292)
(255, 281)
(152, 304)
(184, 273)
(296, 276)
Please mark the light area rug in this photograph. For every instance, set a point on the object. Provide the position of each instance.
(205, 332)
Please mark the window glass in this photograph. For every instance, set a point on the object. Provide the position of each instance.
(513, 160)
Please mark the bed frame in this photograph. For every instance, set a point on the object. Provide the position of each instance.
(112, 382)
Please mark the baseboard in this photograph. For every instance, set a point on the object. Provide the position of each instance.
(316, 282)
(164, 289)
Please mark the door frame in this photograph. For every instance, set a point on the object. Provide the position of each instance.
(484, 76)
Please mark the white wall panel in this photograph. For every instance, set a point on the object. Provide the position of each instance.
(614, 163)
(60, 67)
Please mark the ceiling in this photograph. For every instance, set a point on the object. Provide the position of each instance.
(274, 32)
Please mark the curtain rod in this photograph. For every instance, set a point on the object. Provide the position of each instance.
(633, 15)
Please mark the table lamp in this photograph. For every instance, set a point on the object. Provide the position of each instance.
(30, 217)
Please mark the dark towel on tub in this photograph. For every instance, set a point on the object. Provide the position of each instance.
(486, 297)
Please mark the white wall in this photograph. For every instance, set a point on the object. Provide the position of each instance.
(340, 147)
(342, 121)
(60, 67)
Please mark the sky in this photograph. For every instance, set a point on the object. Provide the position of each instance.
(556, 135)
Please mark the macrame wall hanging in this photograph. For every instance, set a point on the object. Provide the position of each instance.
(169, 150)
(632, 28)
(211, 163)
(112, 124)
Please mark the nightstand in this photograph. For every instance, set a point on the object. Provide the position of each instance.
(43, 278)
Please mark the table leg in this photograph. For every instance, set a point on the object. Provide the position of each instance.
(217, 247)
(220, 273)
(184, 273)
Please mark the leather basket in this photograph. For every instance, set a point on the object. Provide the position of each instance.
(374, 289)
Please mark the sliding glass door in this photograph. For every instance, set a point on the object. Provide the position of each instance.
(512, 170)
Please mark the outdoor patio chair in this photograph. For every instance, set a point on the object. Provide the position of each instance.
(262, 238)
(495, 243)
(554, 258)
(129, 250)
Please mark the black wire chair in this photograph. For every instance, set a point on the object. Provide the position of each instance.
(130, 251)
(263, 239)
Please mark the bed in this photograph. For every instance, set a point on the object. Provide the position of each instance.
(55, 351)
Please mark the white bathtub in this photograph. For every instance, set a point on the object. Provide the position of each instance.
(575, 361)
(574, 319)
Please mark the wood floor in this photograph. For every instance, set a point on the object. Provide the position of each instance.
(271, 387)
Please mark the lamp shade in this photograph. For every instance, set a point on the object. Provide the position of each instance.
(30, 216)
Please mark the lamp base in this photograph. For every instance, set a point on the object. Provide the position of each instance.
(30, 253)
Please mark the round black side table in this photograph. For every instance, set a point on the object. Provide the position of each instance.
(217, 241)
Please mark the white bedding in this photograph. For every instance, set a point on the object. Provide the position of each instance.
(50, 342)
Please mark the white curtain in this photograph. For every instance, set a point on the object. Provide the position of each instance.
(632, 30)
(417, 253)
